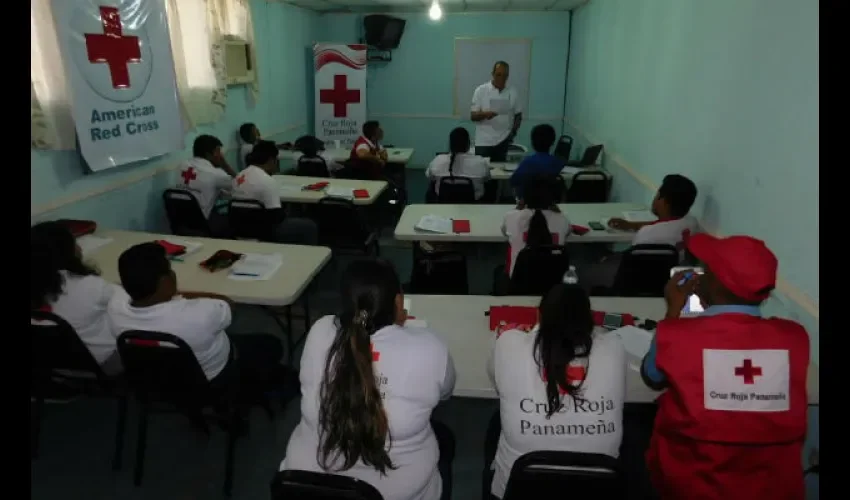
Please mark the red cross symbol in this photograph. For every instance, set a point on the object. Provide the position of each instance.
(340, 96)
(188, 175)
(375, 354)
(113, 48)
(240, 180)
(748, 371)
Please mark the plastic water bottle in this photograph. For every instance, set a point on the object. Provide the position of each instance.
(570, 277)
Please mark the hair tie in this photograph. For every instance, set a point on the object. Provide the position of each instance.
(361, 318)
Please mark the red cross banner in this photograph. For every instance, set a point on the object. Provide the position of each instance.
(746, 380)
(117, 59)
(340, 92)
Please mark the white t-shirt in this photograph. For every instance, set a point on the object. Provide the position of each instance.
(593, 424)
(199, 322)
(244, 149)
(254, 183)
(476, 168)
(505, 102)
(665, 232)
(204, 181)
(515, 227)
(83, 304)
(414, 372)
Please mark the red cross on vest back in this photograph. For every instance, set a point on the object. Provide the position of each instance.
(113, 47)
(240, 180)
(188, 175)
(375, 354)
(748, 371)
(340, 96)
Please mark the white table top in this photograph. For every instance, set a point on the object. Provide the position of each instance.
(486, 222)
(394, 155)
(502, 171)
(461, 323)
(300, 265)
(291, 192)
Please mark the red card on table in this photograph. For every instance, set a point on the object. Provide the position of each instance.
(79, 227)
(520, 315)
(170, 248)
(317, 186)
(460, 226)
(599, 318)
(579, 230)
(361, 193)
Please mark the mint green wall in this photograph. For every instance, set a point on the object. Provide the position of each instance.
(281, 33)
(723, 91)
(413, 96)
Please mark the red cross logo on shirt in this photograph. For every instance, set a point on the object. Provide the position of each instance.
(375, 354)
(113, 47)
(340, 96)
(240, 180)
(748, 371)
(188, 175)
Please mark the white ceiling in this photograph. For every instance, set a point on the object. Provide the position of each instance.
(447, 5)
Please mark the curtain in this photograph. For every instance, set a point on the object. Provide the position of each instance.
(232, 18)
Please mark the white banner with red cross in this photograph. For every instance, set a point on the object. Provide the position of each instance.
(117, 58)
(340, 92)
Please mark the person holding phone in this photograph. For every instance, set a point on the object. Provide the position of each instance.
(497, 114)
(732, 422)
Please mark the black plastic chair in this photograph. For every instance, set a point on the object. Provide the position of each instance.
(314, 166)
(591, 154)
(456, 190)
(438, 273)
(343, 227)
(563, 148)
(537, 269)
(588, 187)
(549, 474)
(58, 353)
(162, 370)
(306, 485)
(248, 220)
(185, 217)
(644, 271)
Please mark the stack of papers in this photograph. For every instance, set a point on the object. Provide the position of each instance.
(636, 341)
(340, 192)
(89, 243)
(256, 267)
(434, 224)
(639, 216)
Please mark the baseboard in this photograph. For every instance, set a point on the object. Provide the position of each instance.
(804, 300)
(427, 116)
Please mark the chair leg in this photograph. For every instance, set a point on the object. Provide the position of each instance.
(35, 426)
(141, 443)
(306, 304)
(120, 425)
(229, 461)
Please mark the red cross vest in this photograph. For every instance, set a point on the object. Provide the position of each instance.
(372, 169)
(732, 422)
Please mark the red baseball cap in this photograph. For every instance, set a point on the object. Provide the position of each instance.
(744, 265)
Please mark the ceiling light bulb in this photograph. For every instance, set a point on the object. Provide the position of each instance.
(435, 12)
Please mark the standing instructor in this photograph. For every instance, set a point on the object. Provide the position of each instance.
(496, 113)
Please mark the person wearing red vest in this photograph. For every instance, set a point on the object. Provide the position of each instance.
(732, 422)
(367, 156)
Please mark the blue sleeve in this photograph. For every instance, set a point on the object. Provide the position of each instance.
(519, 173)
(650, 370)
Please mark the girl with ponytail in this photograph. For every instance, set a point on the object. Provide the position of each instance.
(368, 386)
(561, 385)
(460, 163)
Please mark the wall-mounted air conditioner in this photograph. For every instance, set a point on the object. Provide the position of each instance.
(238, 61)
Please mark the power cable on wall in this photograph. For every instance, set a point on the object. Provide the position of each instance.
(567, 69)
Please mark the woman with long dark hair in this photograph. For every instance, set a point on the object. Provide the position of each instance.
(368, 385)
(61, 283)
(561, 385)
(459, 162)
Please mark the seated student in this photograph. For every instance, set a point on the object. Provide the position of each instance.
(459, 162)
(671, 205)
(539, 163)
(206, 174)
(62, 284)
(256, 183)
(369, 384)
(310, 149)
(536, 221)
(250, 135)
(546, 377)
(732, 422)
(366, 154)
(153, 303)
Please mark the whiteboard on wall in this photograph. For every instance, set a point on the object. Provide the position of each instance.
(474, 60)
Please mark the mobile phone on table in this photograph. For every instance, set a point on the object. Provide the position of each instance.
(596, 226)
(693, 305)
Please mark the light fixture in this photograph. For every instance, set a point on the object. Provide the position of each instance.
(435, 12)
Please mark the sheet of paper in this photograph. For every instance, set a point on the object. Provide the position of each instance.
(340, 192)
(191, 246)
(434, 224)
(89, 243)
(635, 340)
(639, 216)
(256, 267)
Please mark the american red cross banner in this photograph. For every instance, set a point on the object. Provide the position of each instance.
(117, 59)
(340, 92)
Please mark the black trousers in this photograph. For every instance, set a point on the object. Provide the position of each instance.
(446, 444)
(499, 152)
(491, 444)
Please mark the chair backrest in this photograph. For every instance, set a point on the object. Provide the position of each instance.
(431, 192)
(645, 270)
(57, 346)
(455, 189)
(248, 220)
(185, 216)
(591, 154)
(552, 473)
(312, 166)
(162, 367)
(438, 273)
(341, 224)
(588, 187)
(563, 148)
(306, 485)
(539, 268)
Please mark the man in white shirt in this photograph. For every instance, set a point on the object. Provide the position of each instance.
(497, 114)
(206, 175)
